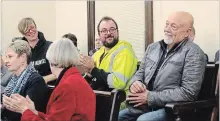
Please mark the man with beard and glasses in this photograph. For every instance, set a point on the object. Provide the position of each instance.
(113, 65)
(172, 70)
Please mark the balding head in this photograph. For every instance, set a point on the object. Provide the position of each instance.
(178, 26)
(184, 18)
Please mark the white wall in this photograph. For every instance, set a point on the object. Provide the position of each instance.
(206, 21)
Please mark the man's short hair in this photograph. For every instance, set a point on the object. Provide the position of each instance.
(21, 47)
(72, 37)
(63, 54)
(106, 18)
(24, 23)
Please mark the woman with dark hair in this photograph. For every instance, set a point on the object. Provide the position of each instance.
(72, 37)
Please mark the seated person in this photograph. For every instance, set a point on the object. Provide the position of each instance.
(5, 74)
(172, 70)
(72, 99)
(25, 80)
(112, 66)
(98, 45)
(72, 37)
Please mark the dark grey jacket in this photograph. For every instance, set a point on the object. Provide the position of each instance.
(179, 77)
(217, 57)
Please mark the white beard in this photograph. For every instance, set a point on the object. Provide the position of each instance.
(167, 40)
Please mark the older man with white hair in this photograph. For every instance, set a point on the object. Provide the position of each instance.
(172, 70)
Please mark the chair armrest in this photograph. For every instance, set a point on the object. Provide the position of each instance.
(51, 86)
(97, 92)
(116, 97)
(179, 107)
(119, 94)
(116, 93)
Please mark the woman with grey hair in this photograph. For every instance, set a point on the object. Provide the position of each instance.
(72, 99)
(25, 80)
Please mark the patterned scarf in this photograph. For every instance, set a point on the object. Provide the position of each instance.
(17, 83)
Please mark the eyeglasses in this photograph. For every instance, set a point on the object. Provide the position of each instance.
(30, 29)
(111, 30)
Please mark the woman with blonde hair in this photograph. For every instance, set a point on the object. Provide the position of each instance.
(25, 80)
(72, 99)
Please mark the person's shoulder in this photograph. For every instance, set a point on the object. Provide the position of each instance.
(123, 45)
(35, 77)
(69, 84)
(191, 46)
(91, 52)
(6, 75)
(48, 42)
(99, 52)
(194, 52)
(76, 77)
(216, 60)
(73, 78)
(217, 53)
(155, 44)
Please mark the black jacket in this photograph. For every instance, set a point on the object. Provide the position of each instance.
(37, 90)
(38, 57)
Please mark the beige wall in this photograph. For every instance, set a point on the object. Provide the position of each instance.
(206, 21)
(56, 18)
(0, 26)
(43, 12)
(53, 18)
(130, 18)
(71, 16)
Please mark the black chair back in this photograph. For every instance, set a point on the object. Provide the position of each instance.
(108, 104)
(209, 82)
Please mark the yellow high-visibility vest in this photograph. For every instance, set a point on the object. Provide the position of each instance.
(120, 61)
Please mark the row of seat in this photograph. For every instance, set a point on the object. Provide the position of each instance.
(108, 103)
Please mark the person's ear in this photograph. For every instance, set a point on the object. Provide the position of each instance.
(24, 57)
(188, 32)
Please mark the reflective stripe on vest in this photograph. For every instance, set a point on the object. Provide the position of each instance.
(117, 74)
